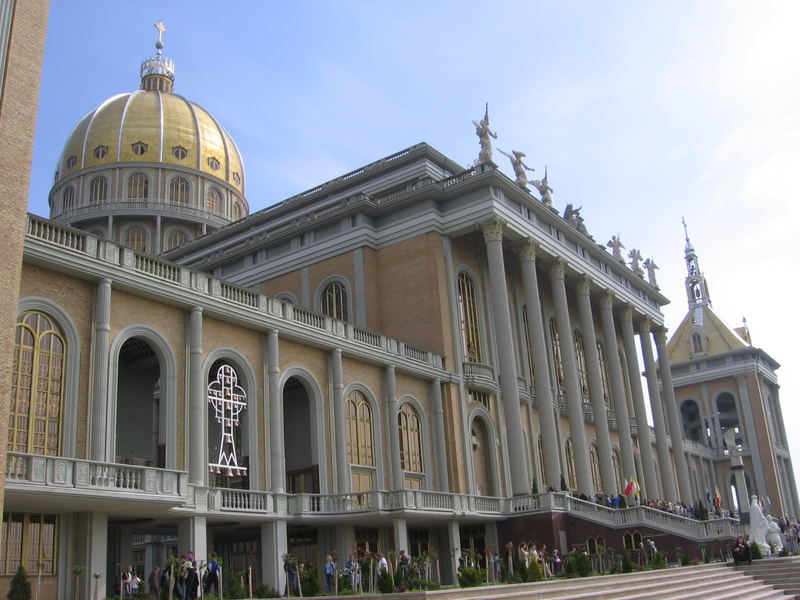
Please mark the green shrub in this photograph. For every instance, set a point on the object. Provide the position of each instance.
(627, 562)
(20, 588)
(659, 561)
(577, 564)
(265, 590)
(471, 577)
(385, 583)
(309, 583)
(683, 558)
(233, 588)
(755, 551)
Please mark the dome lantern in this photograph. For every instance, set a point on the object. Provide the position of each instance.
(158, 72)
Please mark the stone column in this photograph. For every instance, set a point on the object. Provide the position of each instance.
(340, 459)
(400, 534)
(274, 545)
(454, 542)
(198, 402)
(643, 428)
(671, 408)
(277, 458)
(192, 536)
(571, 381)
(439, 445)
(596, 389)
(662, 448)
(541, 370)
(617, 385)
(393, 433)
(520, 474)
(102, 333)
(92, 553)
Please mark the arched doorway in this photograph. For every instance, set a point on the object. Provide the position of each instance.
(480, 441)
(140, 420)
(302, 467)
(692, 424)
(228, 441)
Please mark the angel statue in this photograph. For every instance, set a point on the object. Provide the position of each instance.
(616, 246)
(544, 189)
(484, 133)
(651, 266)
(519, 167)
(636, 258)
(759, 526)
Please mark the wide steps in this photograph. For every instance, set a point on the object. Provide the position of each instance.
(781, 573)
(702, 582)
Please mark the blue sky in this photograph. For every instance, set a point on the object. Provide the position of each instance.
(643, 111)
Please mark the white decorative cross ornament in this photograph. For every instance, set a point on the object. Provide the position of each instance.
(228, 399)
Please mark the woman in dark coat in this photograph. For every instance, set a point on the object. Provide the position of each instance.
(741, 552)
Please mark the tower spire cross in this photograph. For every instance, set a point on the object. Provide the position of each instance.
(161, 30)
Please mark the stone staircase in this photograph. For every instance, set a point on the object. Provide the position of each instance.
(703, 582)
(781, 573)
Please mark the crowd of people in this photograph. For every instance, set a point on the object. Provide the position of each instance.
(186, 578)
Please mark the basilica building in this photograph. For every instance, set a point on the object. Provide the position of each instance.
(416, 355)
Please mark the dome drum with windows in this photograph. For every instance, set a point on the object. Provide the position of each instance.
(149, 169)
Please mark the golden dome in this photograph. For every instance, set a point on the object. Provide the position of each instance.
(153, 127)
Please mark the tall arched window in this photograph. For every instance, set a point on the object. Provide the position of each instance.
(228, 457)
(555, 347)
(601, 358)
(594, 462)
(179, 191)
(98, 190)
(618, 479)
(214, 200)
(697, 343)
(580, 355)
(569, 456)
(175, 238)
(69, 198)
(37, 386)
(468, 313)
(528, 342)
(237, 211)
(334, 300)
(136, 238)
(410, 445)
(691, 421)
(138, 187)
(360, 446)
(728, 416)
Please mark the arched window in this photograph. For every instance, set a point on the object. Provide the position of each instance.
(697, 343)
(360, 446)
(601, 358)
(468, 313)
(618, 479)
(569, 456)
(214, 200)
(227, 449)
(175, 238)
(691, 421)
(178, 191)
(334, 300)
(729, 417)
(631, 540)
(136, 238)
(580, 355)
(69, 198)
(98, 190)
(37, 386)
(410, 444)
(555, 347)
(138, 187)
(596, 545)
(594, 462)
(237, 211)
(528, 342)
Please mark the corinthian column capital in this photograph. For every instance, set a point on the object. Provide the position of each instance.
(607, 299)
(584, 286)
(557, 270)
(493, 229)
(527, 250)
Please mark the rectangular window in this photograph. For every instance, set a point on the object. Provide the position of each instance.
(28, 540)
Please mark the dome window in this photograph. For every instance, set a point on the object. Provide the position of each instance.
(213, 163)
(214, 200)
(98, 190)
(237, 179)
(71, 161)
(139, 148)
(137, 187)
(179, 152)
(136, 238)
(69, 198)
(100, 151)
(179, 191)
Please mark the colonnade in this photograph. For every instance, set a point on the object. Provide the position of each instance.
(616, 364)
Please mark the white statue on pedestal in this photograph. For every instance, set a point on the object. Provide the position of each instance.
(774, 537)
(759, 527)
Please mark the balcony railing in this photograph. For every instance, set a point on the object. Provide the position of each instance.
(62, 473)
(406, 500)
(479, 376)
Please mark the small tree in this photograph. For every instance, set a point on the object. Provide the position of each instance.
(534, 487)
(77, 570)
(20, 588)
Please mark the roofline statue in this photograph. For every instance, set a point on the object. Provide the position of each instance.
(484, 133)
(544, 189)
(616, 246)
(519, 167)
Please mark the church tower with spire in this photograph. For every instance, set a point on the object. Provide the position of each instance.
(724, 385)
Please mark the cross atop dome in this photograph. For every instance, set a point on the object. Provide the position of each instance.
(158, 73)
